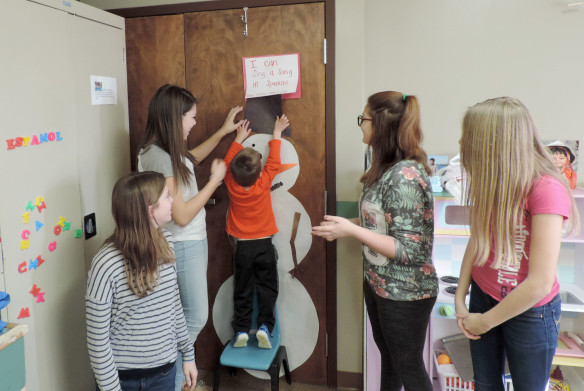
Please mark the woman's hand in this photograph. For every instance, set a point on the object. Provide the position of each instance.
(191, 373)
(243, 131)
(229, 125)
(333, 227)
(218, 170)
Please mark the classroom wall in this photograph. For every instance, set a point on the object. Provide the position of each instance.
(451, 54)
(455, 53)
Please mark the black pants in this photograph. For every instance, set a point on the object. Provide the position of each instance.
(255, 265)
(399, 331)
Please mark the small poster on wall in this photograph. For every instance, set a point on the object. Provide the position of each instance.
(104, 90)
(272, 75)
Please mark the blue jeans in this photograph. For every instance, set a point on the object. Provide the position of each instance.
(163, 381)
(191, 265)
(399, 330)
(529, 341)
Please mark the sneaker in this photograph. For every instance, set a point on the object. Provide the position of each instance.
(240, 339)
(263, 336)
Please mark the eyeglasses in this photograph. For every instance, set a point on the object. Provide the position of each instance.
(360, 119)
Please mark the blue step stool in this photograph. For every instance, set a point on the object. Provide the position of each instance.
(252, 357)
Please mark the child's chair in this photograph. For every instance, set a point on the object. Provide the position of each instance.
(252, 357)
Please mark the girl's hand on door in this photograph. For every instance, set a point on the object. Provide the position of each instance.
(229, 125)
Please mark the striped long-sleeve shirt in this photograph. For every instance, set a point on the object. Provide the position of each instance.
(128, 332)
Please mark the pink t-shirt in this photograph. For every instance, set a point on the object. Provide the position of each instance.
(548, 196)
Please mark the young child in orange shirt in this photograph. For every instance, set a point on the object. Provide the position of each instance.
(251, 221)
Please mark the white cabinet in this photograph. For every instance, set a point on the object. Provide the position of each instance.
(450, 240)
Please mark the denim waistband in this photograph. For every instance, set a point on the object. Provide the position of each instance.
(126, 374)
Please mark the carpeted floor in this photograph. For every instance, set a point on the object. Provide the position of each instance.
(247, 382)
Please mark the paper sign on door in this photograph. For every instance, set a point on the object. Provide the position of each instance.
(272, 75)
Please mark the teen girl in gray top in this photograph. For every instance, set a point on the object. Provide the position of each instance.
(171, 116)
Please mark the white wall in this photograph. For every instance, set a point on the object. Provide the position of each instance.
(455, 53)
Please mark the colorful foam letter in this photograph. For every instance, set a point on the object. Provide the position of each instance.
(40, 297)
(35, 290)
(52, 246)
(41, 207)
(25, 234)
(24, 313)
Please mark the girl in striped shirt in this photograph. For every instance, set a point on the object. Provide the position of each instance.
(135, 322)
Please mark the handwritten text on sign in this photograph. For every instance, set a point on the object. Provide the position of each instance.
(271, 75)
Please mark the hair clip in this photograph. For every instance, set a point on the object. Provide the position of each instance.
(404, 97)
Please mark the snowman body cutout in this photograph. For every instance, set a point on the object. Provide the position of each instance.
(299, 323)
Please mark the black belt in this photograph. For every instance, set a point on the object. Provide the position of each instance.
(127, 374)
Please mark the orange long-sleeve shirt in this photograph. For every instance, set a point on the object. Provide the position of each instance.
(250, 214)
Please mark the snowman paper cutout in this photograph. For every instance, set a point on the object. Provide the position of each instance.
(296, 312)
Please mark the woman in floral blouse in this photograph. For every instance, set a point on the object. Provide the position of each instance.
(396, 229)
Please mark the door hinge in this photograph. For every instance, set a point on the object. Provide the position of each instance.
(325, 204)
(326, 343)
(324, 51)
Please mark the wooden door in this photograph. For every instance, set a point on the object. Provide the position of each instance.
(214, 47)
(155, 56)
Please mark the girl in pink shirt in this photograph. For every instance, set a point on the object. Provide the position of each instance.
(518, 202)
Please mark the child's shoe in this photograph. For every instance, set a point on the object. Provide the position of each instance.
(240, 339)
(263, 336)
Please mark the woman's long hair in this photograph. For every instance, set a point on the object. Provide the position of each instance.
(503, 156)
(143, 245)
(397, 134)
(164, 127)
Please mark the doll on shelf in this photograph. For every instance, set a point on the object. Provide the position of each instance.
(564, 157)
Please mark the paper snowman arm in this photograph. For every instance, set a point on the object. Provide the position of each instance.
(295, 271)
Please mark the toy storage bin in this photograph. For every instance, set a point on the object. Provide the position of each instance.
(12, 370)
(450, 381)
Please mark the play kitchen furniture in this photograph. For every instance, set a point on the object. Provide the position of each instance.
(450, 240)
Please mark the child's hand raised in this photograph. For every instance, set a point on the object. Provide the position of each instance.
(281, 124)
(243, 131)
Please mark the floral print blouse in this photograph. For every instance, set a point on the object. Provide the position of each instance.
(401, 205)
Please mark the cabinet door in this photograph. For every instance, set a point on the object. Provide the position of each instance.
(214, 47)
(42, 179)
